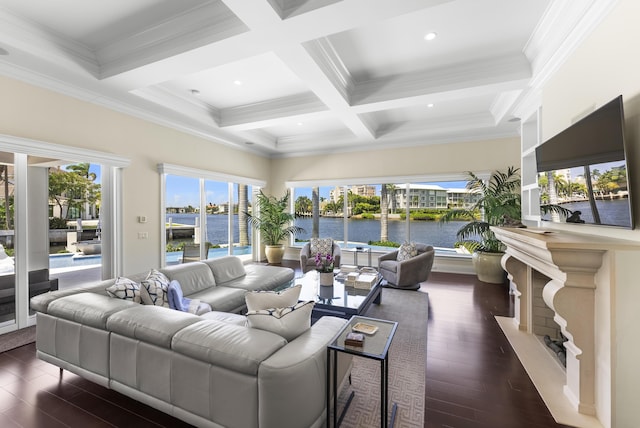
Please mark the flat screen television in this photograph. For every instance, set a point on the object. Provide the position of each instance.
(583, 170)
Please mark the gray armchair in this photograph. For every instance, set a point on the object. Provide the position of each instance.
(407, 274)
(307, 262)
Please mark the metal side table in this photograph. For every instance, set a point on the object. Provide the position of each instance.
(376, 347)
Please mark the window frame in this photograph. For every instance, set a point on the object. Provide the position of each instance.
(165, 169)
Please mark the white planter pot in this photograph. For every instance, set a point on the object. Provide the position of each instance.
(326, 279)
(274, 253)
(488, 267)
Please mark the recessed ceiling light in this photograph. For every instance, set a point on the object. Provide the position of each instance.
(430, 36)
(195, 92)
(430, 105)
(237, 82)
(299, 123)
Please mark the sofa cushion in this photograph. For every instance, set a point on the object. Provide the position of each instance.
(151, 324)
(259, 277)
(227, 317)
(156, 285)
(224, 299)
(193, 277)
(260, 300)
(226, 268)
(226, 345)
(89, 308)
(289, 322)
(125, 288)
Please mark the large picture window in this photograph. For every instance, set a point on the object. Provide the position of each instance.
(382, 215)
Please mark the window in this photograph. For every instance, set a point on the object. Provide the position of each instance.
(411, 212)
(207, 210)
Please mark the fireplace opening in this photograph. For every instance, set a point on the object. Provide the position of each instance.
(557, 346)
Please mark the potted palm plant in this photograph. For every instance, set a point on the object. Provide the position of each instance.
(498, 204)
(275, 224)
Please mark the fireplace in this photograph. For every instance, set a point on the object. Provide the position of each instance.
(566, 284)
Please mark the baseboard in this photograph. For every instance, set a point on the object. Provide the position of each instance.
(17, 338)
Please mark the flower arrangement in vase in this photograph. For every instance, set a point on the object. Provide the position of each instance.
(324, 266)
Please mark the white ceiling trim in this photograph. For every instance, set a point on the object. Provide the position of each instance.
(24, 35)
(327, 59)
(504, 72)
(200, 26)
(167, 168)
(12, 144)
(261, 114)
(562, 29)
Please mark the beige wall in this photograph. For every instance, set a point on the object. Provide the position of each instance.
(606, 65)
(30, 112)
(478, 156)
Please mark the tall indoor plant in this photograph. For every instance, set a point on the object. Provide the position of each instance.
(498, 204)
(275, 223)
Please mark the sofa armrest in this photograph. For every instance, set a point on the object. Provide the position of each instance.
(284, 379)
(337, 254)
(388, 256)
(305, 253)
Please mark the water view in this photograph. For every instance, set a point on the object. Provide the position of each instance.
(359, 230)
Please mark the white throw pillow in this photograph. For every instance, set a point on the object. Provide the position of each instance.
(259, 300)
(323, 246)
(407, 251)
(289, 322)
(156, 285)
(126, 289)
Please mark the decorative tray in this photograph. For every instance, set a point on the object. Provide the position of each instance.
(364, 328)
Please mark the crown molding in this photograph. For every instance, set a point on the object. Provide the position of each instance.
(503, 104)
(249, 116)
(196, 27)
(189, 106)
(324, 54)
(564, 26)
(510, 72)
(28, 36)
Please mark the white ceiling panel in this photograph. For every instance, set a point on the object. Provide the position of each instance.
(251, 80)
(287, 77)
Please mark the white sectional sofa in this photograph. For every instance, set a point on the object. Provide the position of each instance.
(206, 370)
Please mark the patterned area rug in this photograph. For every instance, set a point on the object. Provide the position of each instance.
(407, 362)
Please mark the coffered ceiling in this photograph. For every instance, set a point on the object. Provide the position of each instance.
(293, 77)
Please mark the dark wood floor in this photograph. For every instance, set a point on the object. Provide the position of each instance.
(473, 379)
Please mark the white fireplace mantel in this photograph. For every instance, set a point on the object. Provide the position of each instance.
(570, 266)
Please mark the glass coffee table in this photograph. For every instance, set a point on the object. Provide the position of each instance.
(339, 300)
